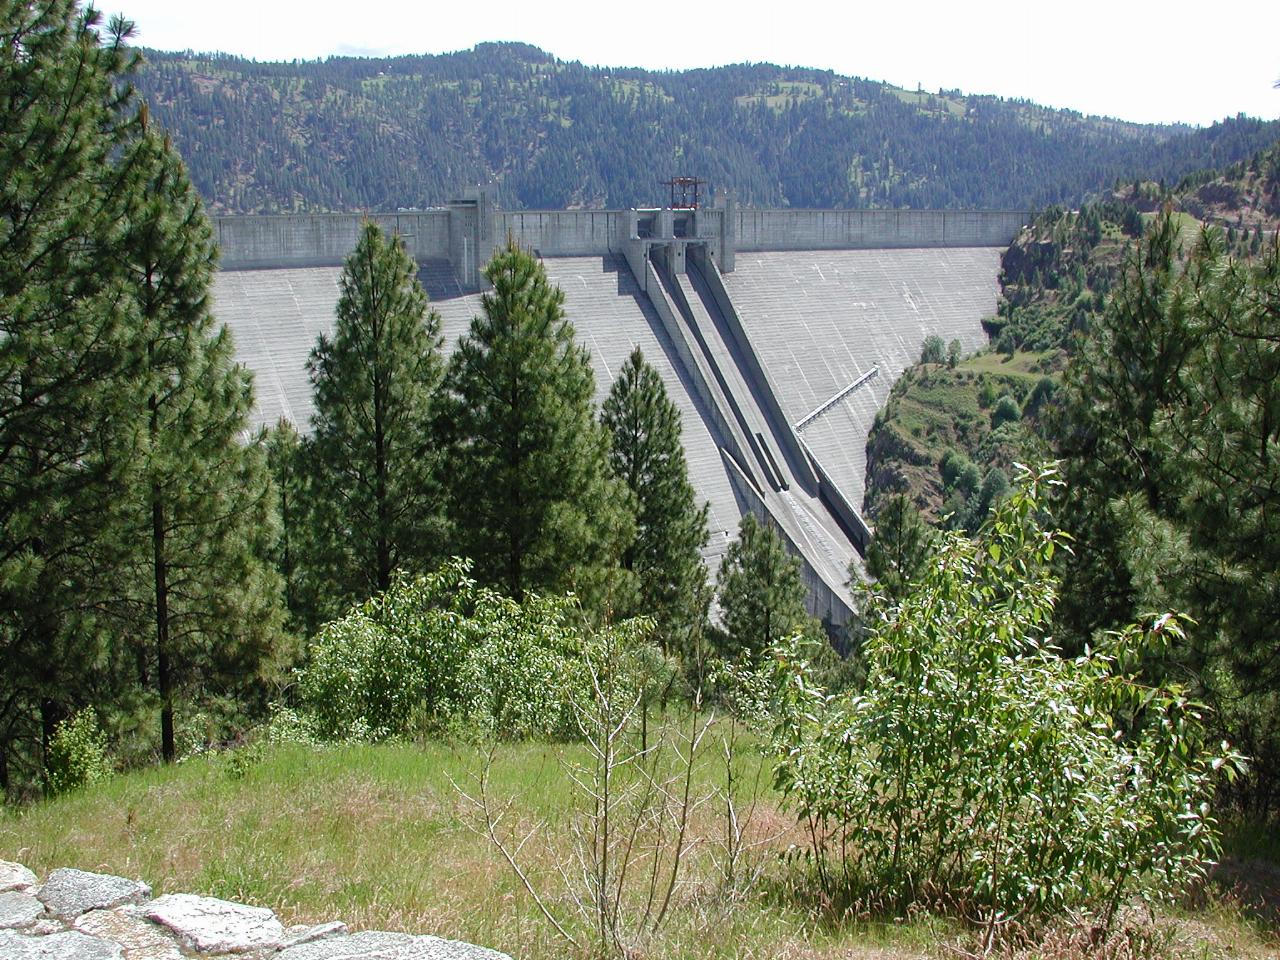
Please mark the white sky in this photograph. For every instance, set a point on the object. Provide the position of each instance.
(1144, 61)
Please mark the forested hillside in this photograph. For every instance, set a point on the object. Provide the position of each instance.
(348, 134)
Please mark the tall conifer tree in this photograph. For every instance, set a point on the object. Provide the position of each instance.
(671, 530)
(373, 494)
(67, 384)
(761, 593)
(900, 548)
(201, 517)
(532, 495)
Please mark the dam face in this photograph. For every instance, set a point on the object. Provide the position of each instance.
(778, 333)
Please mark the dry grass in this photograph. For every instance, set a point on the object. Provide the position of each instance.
(378, 836)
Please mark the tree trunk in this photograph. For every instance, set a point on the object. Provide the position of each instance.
(164, 677)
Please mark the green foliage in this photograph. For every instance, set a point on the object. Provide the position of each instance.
(1042, 394)
(932, 350)
(137, 521)
(67, 361)
(1168, 426)
(896, 555)
(531, 494)
(199, 524)
(954, 351)
(666, 554)
(979, 768)
(761, 594)
(283, 447)
(1006, 411)
(371, 499)
(438, 650)
(77, 754)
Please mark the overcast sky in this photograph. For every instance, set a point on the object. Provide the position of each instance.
(1144, 61)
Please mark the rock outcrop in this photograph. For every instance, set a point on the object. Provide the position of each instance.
(75, 915)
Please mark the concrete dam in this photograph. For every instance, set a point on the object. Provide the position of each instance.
(778, 333)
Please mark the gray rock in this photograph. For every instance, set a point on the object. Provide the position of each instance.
(67, 945)
(44, 927)
(141, 939)
(210, 925)
(18, 910)
(69, 893)
(309, 934)
(14, 876)
(372, 945)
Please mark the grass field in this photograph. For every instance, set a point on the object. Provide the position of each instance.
(380, 837)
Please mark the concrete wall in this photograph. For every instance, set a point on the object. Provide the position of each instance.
(758, 230)
(467, 232)
(564, 233)
(321, 240)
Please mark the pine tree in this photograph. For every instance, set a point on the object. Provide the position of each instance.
(671, 530)
(902, 542)
(284, 460)
(373, 497)
(1169, 431)
(66, 364)
(532, 496)
(201, 519)
(761, 593)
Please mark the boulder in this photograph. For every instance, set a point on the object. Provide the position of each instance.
(69, 893)
(372, 945)
(18, 909)
(141, 939)
(67, 945)
(307, 933)
(209, 925)
(14, 876)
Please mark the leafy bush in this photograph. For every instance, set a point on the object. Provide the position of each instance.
(980, 768)
(440, 650)
(932, 350)
(1045, 390)
(1006, 411)
(77, 754)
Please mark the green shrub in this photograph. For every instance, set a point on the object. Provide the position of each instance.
(1045, 390)
(77, 754)
(438, 650)
(1006, 411)
(978, 767)
(932, 350)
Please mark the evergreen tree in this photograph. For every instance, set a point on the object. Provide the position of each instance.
(373, 496)
(532, 497)
(761, 593)
(897, 553)
(200, 521)
(284, 460)
(67, 380)
(1169, 430)
(671, 530)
